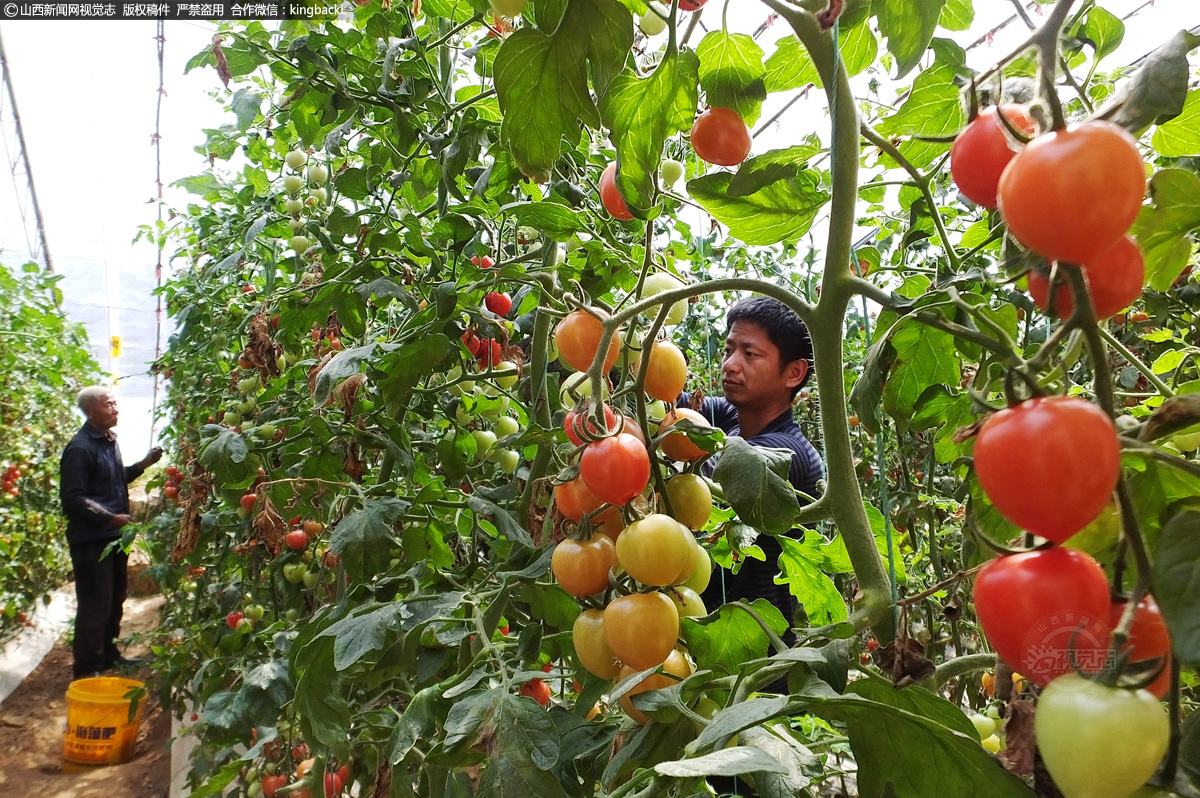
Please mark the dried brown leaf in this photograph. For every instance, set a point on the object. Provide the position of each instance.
(269, 526)
(222, 65)
(354, 466)
(905, 660)
(1020, 744)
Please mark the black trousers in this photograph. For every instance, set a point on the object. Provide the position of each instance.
(100, 593)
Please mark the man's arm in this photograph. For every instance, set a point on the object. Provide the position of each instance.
(73, 490)
(134, 471)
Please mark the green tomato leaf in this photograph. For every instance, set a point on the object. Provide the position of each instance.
(1164, 231)
(641, 113)
(368, 628)
(790, 67)
(957, 15)
(729, 637)
(1176, 569)
(732, 73)
(1156, 92)
(754, 480)
(908, 25)
(761, 171)
(556, 221)
(542, 80)
(778, 213)
(364, 538)
(1180, 136)
(924, 357)
(726, 762)
(1103, 31)
(800, 564)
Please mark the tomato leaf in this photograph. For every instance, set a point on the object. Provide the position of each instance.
(924, 357)
(369, 628)
(641, 114)
(726, 762)
(556, 221)
(790, 67)
(934, 108)
(505, 522)
(732, 72)
(1180, 136)
(1176, 569)
(729, 637)
(754, 480)
(341, 366)
(526, 748)
(1164, 231)
(957, 15)
(419, 719)
(1157, 91)
(762, 170)
(1102, 30)
(542, 80)
(777, 213)
(364, 538)
(800, 564)
(908, 25)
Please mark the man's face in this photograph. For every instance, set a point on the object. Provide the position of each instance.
(104, 413)
(751, 372)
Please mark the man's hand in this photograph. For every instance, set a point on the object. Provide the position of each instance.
(152, 457)
(120, 520)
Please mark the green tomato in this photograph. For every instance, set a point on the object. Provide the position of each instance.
(991, 743)
(245, 625)
(294, 572)
(292, 184)
(462, 415)
(1097, 741)
(293, 206)
(311, 578)
(582, 386)
(248, 384)
(266, 432)
(702, 573)
(296, 159)
(687, 602)
(254, 790)
(317, 174)
(254, 612)
(189, 586)
(495, 409)
(511, 380)
(320, 195)
(670, 172)
(296, 224)
(485, 442)
(655, 20)
(657, 283)
(507, 425)
(292, 615)
(984, 726)
(233, 418)
(298, 244)
(247, 405)
(508, 459)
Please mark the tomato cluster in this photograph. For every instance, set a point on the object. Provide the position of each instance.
(8, 483)
(1069, 195)
(173, 483)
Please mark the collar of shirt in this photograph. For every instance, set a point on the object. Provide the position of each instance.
(782, 422)
(95, 433)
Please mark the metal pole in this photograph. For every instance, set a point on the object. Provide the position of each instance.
(37, 210)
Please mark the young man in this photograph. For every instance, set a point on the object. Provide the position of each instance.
(768, 358)
(93, 489)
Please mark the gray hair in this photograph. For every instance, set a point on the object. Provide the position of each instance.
(91, 396)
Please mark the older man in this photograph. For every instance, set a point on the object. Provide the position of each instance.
(93, 488)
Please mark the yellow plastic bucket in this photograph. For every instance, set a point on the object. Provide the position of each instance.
(99, 731)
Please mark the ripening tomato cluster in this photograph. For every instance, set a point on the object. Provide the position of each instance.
(8, 483)
(174, 481)
(1069, 195)
(651, 572)
(1050, 466)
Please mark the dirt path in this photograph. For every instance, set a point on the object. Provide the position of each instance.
(33, 718)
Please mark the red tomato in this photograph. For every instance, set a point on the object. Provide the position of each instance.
(490, 353)
(272, 783)
(1115, 280)
(610, 195)
(538, 690)
(691, 5)
(248, 501)
(578, 337)
(296, 539)
(1031, 604)
(333, 784)
(1049, 464)
(335, 344)
(500, 304)
(233, 618)
(344, 773)
(676, 445)
(1148, 638)
(616, 468)
(486, 262)
(472, 343)
(575, 500)
(641, 629)
(666, 375)
(573, 424)
(171, 492)
(982, 150)
(720, 136)
(1071, 194)
(581, 566)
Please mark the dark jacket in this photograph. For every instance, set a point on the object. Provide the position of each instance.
(92, 485)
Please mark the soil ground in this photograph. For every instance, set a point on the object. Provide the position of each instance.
(34, 717)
